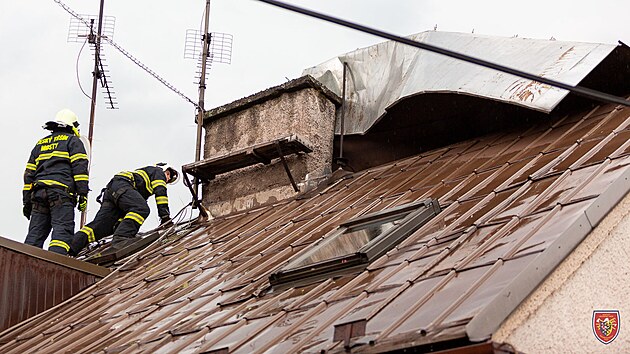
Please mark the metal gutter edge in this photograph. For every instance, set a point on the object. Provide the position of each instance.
(490, 318)
(52, 257)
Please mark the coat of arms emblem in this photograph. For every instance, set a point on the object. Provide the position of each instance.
(606, 325)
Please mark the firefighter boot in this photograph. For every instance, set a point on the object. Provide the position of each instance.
(79, 241)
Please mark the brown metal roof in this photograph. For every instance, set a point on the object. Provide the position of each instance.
(514, 204)
(33, 280)
(53, 258)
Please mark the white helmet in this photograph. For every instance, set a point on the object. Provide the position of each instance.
(63, 118)
(174, 175)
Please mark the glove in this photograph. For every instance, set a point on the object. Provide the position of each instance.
(165, 220)
(82, 205)
(26, 210)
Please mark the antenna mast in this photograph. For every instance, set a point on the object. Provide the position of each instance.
(202, 87)
(96, 75)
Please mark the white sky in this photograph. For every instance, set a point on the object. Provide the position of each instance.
(39, 68)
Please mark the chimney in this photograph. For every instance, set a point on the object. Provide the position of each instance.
(267, 147)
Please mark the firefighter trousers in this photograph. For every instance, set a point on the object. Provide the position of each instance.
(53, 209)
(123, 210)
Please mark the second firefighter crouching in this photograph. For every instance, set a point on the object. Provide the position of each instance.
(124, 206)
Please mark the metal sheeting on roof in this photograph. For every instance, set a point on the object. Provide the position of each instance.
(382, 74)
(33, 280)
(506, 199)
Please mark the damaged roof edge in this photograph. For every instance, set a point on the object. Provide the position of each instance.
(490, 318)
(458, 93)
(306, 81)
(404, 72)
(54, 258)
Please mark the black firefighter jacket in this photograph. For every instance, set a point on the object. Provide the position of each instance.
(60, 161)
(148, 181)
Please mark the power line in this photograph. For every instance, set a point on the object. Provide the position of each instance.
(578, 90)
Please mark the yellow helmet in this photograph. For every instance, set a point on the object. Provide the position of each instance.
(67, 118)
(63, 118)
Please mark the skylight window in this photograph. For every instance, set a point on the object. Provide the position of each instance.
(356, 243)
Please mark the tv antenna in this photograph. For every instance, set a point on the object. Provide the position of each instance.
(123, 51)
(79, 32)
(220, 50)
(105, 25)
(207, 48)
(82, 29)
(214, 47)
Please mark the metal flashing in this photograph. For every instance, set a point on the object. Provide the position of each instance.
(607, 200)
(55, 258)
(404, 77)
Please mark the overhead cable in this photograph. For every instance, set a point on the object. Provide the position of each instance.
(578, 90)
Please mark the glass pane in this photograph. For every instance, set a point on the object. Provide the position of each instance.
(346, 243)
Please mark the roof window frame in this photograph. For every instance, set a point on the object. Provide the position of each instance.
(407, 219)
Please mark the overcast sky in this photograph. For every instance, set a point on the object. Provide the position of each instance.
(41, 72)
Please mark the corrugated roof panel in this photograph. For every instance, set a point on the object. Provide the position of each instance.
(407, 271)
(318, 318)
(488, 289)
(425, 294)
(498, 246)
(608, 150)
(551, 230)
(33, 280)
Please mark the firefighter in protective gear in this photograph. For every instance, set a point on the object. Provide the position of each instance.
(124, 206)
(56, 174)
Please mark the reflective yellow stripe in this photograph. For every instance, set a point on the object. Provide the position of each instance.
(49, 155)
(161, 200)
(147, 180)
(81, 178)
(28, 187)
(89, 232)
(31, 166)
(135, 217)
(79, 156)
(59, 244)
(158, 182)
(50, 182)
(125, 174)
